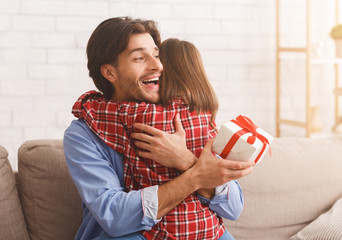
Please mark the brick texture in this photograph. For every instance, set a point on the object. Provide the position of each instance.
(43, 61)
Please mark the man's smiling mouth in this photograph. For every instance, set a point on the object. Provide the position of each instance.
(151, 81)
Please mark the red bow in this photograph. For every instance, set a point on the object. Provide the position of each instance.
(247, 126)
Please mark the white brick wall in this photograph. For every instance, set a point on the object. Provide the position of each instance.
(43, 60)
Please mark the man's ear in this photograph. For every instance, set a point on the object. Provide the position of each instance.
(109, 72)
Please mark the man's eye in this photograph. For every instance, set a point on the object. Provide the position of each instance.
(157, 56)
(139, 58)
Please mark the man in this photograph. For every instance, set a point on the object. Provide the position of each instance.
(124, 64)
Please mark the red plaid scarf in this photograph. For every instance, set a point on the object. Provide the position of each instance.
(113, 123)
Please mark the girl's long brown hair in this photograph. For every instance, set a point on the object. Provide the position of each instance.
(184, 76)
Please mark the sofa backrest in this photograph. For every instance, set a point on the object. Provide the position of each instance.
(50, 201)
(12, 224)
(283, 194)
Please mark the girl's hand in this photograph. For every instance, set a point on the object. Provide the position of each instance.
(167, 149)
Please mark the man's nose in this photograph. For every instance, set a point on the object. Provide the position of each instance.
(155, 64)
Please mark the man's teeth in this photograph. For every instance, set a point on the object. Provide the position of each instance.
(151, 80)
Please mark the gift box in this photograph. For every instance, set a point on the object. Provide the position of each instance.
(240, 139)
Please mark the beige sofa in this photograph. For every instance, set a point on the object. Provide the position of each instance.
(49, 206)
(283, 195)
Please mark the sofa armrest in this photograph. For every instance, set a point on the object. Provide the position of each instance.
(12, 224)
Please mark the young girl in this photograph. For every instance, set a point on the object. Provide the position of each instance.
(184, 90)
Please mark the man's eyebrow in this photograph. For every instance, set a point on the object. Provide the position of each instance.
(140, 49)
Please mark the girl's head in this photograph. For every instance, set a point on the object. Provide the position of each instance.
(184, 76)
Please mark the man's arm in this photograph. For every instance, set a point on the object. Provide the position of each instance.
(97, 171)
(208, 172)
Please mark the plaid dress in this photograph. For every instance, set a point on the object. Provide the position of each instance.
(113, 123)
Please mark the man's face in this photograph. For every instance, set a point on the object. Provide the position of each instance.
(138, 70)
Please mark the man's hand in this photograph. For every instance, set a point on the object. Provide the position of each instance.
(210, 171)
(167, 149)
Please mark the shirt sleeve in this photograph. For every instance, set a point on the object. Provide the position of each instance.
(150, 202)
(97, 174)
(227, 202)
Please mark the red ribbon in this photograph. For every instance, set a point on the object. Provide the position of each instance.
(247, 126)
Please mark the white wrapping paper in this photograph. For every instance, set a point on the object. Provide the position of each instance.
(242, 150)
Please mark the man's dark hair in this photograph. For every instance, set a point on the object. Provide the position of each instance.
(110, 39)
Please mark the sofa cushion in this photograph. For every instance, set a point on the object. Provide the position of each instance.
(50, 201)
(326, 226)
(285, 193)
(12, 224)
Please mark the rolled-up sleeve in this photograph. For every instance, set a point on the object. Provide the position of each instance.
(150, 203)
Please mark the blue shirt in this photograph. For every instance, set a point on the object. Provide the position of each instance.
(97, 171)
